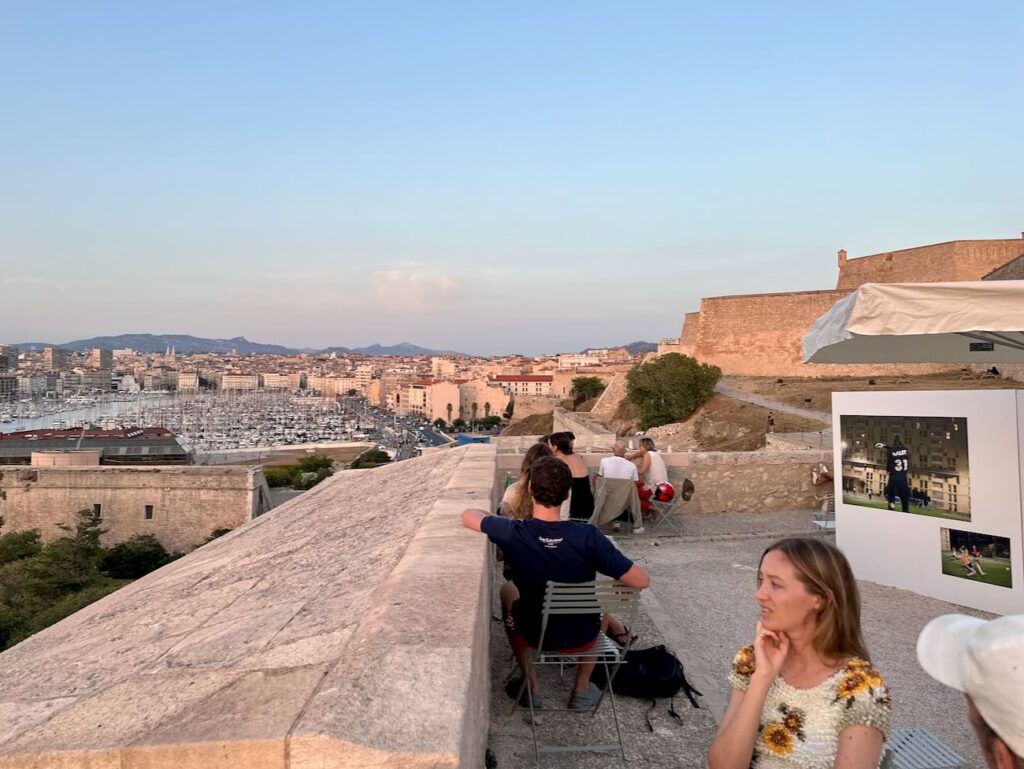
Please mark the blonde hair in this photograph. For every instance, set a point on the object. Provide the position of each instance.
(825, 572)
(522, 506)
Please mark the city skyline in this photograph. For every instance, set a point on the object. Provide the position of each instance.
(480, 179)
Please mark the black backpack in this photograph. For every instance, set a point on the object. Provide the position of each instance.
(650, 674)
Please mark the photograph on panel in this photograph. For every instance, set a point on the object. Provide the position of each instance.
(977, 557)
(908, 464)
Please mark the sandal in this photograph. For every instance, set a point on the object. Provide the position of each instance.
(623, 639)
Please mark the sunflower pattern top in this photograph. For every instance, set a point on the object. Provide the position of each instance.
(800, 727)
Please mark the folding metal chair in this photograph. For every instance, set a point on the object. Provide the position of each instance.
(919, 749)
(665, 512)
(561, 598)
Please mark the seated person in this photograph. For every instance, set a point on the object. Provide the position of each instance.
(652, 471)
(515, 502)
(544, 548)
(617, 466)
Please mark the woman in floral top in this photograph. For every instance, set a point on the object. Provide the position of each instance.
(804, 694)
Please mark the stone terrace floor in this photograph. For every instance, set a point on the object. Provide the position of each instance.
(701, 604)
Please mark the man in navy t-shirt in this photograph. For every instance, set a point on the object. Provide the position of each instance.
(545, 548)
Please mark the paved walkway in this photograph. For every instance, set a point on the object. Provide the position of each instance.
(701, 604)
(730, 391)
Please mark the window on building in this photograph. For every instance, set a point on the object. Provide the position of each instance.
(149, 512)
(97, 509)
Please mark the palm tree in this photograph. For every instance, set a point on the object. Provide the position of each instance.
(487, 409)
(449, 407)
(474, 415)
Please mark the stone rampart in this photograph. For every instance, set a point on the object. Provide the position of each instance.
(179, 505)
(762, 335)
(347, 628)
(690, 336)
(749, 481)
(530, 405)
(956, 260)
(609, 400)
(726, 481)
(583, 426)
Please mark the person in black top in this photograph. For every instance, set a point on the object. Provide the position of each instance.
(545, 548)
(897, 464)
(581, 501)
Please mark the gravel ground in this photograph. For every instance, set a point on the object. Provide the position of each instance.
(701, 604)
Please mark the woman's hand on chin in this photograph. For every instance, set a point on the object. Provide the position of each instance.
(770, 650)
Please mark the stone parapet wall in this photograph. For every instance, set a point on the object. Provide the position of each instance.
(531, 405)
(609, 400)
(183, 504)
(347, 628)
(749, 481)
(690, 336)
(583, 426)
(956, 260)
(762, 335)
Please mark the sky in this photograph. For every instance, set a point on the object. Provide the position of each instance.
(482, 177)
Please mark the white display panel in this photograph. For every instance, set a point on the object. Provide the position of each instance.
(969, 488)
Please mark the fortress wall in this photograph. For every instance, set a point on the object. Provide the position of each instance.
(956, 260)
(529, 405)
(749, 481)
(762, 335)
(188, 502)
(347, 628)
(608, 403)
(690, 336)
(586, 429)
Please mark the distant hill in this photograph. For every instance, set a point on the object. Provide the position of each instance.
(183, 343)
(402, 348)
(636, 348)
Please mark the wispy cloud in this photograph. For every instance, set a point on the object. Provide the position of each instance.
(414, 289)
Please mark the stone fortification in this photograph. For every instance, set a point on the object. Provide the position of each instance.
(583, 426)
(690, 335)
(180, 506)
(762, 334)
(530, 405)
(750, 481)
(347, 628)
(609, 400)
(956, 260)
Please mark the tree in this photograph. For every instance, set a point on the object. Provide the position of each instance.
(489, 423)
(487, 409)
(71, 563)
(459, 424)
(449, 409)
(134, 557)
(370, 458)
(19, 545)
(352, 392)
(670, 388)
(315, 463)
(473, 409)
(508, 410)
(440, 424)
(586, 387)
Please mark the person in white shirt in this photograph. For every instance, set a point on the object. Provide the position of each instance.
(617, 466)
(652, 471)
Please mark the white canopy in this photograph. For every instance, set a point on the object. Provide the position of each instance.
(969, 322)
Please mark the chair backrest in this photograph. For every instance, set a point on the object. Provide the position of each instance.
(612, 496)
(602, 595)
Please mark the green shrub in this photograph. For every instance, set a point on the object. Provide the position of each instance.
(670, 388)
(134, 558)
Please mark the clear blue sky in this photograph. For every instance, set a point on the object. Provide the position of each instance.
(479, 176)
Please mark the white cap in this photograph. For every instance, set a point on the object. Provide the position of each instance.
(985, 660)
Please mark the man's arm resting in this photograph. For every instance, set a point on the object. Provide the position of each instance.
(635, 577)
(471, 519)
